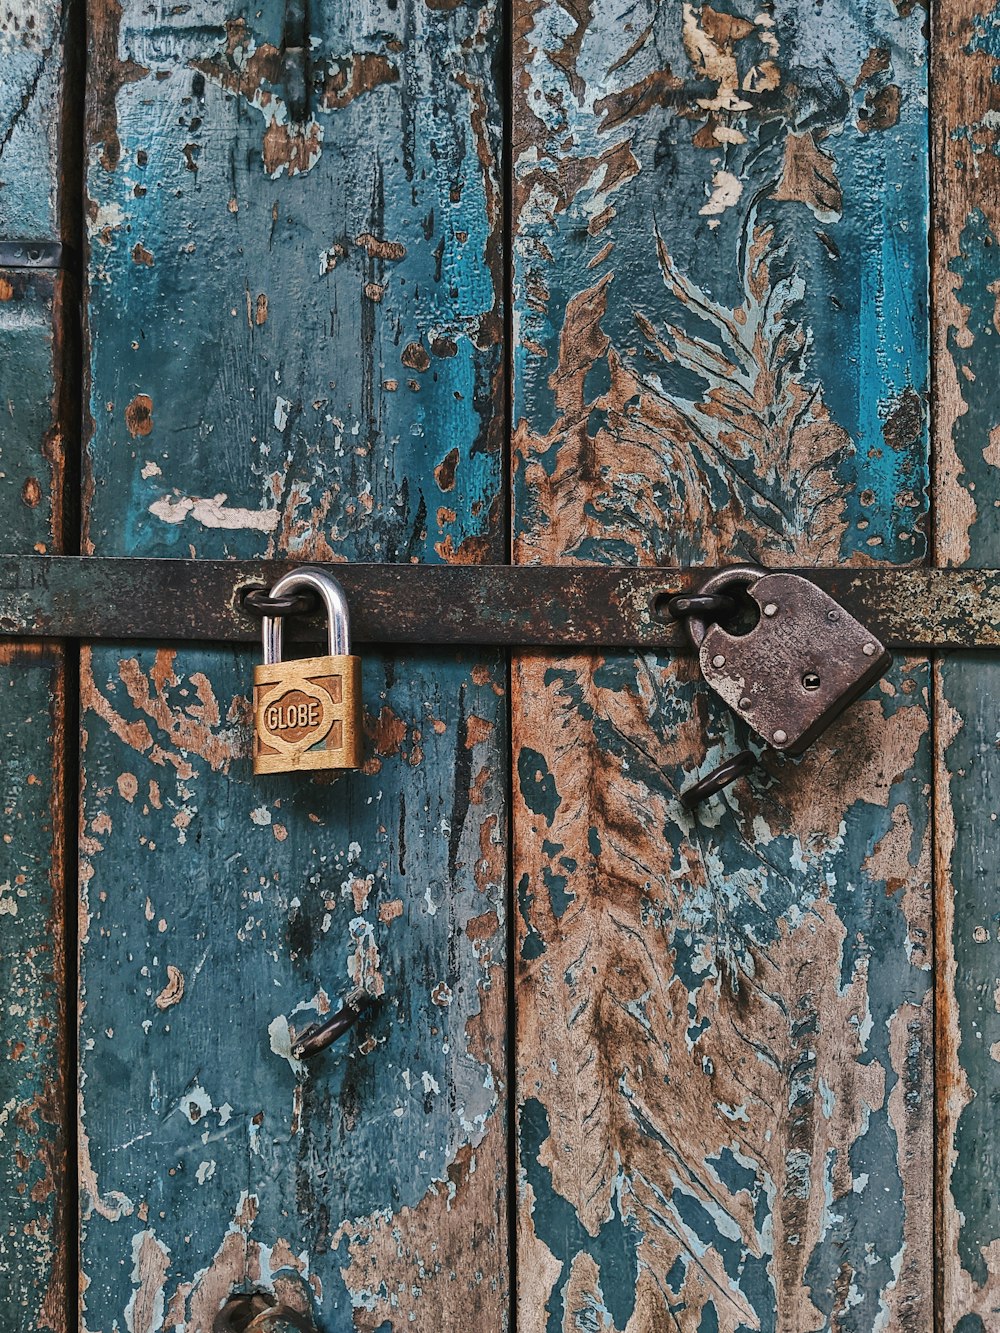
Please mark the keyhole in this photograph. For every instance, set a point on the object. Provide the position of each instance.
(810, 681)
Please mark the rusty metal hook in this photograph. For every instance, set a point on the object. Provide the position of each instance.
(319, 1035)
(738, 767)
(725, 581)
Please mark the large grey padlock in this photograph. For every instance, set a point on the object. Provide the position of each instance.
(794, 672)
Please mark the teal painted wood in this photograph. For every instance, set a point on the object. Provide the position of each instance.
(294, 349)
(724, 1024)
(33, 1091)
(967, 491)
(33, 55)
(32, 449)
(33, 1057)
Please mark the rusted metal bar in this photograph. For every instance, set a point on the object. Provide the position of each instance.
(546, 606)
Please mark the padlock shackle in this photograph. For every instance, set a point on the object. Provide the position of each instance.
(733, 576)
(338, 616)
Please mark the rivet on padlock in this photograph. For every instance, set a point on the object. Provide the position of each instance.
(790, 676)
(307, 712)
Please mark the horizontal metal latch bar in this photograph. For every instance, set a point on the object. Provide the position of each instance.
(514, 606)
(34, 254)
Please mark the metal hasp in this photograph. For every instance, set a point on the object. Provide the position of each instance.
(571, 606)
(800, 666)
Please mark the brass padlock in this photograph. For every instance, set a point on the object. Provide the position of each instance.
(307, 712)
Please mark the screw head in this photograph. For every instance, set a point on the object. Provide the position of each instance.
(771, 609)
(869, 650)
(780, 737)
(718, 660)
(833, 615)
(744, 702)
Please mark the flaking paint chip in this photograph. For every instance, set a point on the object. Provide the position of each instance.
(173, 992)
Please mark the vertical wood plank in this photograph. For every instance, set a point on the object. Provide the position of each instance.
(37, 312)
(295, 349)
(33, 1085)
(966, 270)
(724, 1023)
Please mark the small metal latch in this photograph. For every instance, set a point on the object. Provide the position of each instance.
(33, 254)
(801, 665)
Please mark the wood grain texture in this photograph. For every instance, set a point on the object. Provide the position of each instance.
(294, 350)
(33, 1086)
(35, 311)
(967, 421)
(723, 1024)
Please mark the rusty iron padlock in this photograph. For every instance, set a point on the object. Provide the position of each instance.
(803, 663)
(307, 712)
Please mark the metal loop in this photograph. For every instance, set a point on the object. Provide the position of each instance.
(259, 602)
(334, 601)
(319, 1035)
(738, 767)
(735, 576)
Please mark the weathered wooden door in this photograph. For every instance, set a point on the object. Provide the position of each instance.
(459, 281)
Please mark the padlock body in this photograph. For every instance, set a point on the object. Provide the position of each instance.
(307, 715)
(800, 666)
